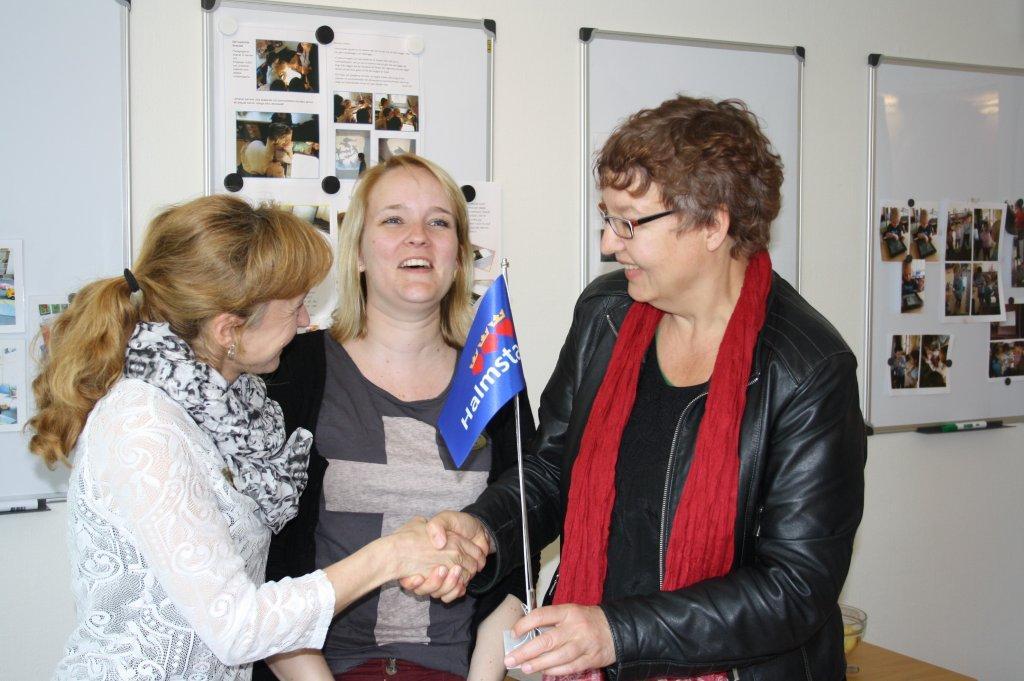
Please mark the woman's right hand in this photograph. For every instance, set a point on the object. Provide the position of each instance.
(445, 527)
(420, 556)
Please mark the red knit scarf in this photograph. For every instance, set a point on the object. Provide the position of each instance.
(701, 540)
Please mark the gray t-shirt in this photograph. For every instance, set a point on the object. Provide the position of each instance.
(386, 464)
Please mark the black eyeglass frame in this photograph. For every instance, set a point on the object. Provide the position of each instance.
(630, 225)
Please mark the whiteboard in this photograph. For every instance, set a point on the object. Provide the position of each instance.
(69, 195)
(950, 135)
(623, 73)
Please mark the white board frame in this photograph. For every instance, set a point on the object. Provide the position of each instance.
(875, 356)
(792, 191)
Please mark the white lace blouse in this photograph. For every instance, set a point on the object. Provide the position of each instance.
(168, 558)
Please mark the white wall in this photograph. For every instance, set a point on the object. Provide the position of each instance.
(938, 556)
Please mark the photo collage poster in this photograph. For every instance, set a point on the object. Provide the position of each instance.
(303, 111)
(968, 250)
(1013, 255)
(971, 273)
(919, 364)
(1006, 346)
(485, 234)
(1006, 340)
(12, 385)
(12, 290)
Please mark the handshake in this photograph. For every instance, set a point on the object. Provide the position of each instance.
(437, 558)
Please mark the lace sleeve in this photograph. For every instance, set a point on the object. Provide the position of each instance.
(162, 491)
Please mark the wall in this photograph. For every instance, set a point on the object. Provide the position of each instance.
(937, 559)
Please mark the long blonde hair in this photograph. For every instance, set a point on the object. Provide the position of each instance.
(211, 255)
(457, 304)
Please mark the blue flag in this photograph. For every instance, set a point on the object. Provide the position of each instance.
(489, 373)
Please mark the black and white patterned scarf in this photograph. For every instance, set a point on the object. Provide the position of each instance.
(246, 425)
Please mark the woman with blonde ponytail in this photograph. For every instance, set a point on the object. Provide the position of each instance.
(182, 468)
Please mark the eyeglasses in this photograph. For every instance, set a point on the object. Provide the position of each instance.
(624, 227)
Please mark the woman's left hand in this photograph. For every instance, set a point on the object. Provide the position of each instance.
(579, 639)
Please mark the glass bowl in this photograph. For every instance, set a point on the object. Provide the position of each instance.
(855, 621)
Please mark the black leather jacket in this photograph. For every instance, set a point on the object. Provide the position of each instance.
(802, 454)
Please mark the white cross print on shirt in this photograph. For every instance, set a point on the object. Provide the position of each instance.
(412, 482)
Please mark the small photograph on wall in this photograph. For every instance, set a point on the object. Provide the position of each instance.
(353, 108)
(935, 362)
(480, 287)
(483, 258)
(1006, 346)
(397, 113)
(959, 233)
(987, 223)
(350, 153)
(12, 287)
(283, 66)
(957, 289)
(317, 215)
(277, 144)
(894, 226)
(904, 363)
(393, 146)
(12, 385)
(985, 291)
(924, 230)
(912, 286)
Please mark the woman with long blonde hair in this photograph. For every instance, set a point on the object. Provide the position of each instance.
(182, 467)
(371, 390)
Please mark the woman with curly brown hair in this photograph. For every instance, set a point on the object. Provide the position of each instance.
(700, 448)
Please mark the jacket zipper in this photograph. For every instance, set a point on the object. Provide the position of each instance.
(668, 480)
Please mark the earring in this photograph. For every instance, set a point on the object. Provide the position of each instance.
(362, 267)
(232, 349)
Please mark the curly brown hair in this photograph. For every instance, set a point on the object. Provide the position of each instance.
(703, 156)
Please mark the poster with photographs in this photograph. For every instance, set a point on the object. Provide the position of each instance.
(287, 96)
(894, 230)
(12, 289)
(277, 144)
(973, 277)
(919, 364)
(1006, 346)
(924, 231)
(484, 205)
(44, 311)
(322, 300)
(912, 283)
(1014, 246)
(12, 385)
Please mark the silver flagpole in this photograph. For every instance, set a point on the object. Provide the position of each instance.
(531, 594)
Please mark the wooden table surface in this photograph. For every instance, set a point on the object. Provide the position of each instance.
(879, 664)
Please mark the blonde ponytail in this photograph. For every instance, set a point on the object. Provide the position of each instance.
(85, 355)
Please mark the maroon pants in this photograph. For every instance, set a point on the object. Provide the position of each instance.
(392, 669)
